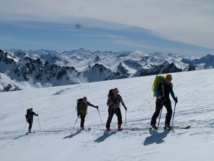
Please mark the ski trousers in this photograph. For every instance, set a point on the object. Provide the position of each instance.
(82, 118)
(111, 113)
(159, 105)
(30, 125)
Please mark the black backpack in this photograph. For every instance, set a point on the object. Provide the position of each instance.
(111, 93)
(27, 114)
(79, 104)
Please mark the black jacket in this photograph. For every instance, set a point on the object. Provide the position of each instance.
(29, 116)
(164, 89)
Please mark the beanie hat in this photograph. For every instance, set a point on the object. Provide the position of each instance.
(168, 76)
(85, 98)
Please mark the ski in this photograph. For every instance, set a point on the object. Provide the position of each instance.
(27, 133)
(147, 128)
(135, 129)
(178, 127)
(115, 130)
(151, 129)
(88, 129)
(181, 127)
(19, 136)
(30, 132)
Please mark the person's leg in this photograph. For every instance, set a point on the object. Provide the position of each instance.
(158, 108)
(82, 117)
(168, 106)
(30, 126)
(119, 118)
(110, 116)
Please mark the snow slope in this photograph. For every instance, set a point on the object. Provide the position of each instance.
(56, 140)
(6, 84)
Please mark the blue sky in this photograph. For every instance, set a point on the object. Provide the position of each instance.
(177, 27)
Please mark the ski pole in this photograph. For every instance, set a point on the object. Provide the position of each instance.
(173, 115)
(100, 116)
(75, 122)
(24, 127)
(39, 124)
(125, 116)
(159, 118)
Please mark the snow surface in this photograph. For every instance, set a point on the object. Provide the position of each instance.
(56, 140)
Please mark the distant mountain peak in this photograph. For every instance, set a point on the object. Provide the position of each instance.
(80, 65)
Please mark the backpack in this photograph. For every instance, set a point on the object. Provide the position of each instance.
(27, 114)
(158, 80)
(79, 104)
(111, 93)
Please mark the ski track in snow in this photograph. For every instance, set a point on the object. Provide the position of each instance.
(57, 140)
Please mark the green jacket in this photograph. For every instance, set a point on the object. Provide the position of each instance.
(82, 107)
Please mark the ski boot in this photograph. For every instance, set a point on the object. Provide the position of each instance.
(119, 127)
(82, 128)
(168, 127)
(153, 127)
(108, 129)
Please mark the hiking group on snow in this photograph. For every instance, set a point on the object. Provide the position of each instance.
(162, 88)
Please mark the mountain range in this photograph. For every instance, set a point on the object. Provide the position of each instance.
(45, 68)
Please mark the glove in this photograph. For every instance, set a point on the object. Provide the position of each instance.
(125, 108)
(176, 100)
(78, 114)
(96, 107)
(37, 114)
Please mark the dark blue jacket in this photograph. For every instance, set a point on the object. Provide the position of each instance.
(164, 89)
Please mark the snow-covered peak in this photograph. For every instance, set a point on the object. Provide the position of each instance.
(6, 84)
(77, 66)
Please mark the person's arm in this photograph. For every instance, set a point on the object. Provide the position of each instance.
(35, 114)
(124, 105)
(121, 100)
(173, 94)
(89, 104)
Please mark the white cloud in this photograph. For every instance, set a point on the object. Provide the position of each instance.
(185, 21)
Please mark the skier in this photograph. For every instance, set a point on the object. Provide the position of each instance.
(82, 105)
(114, 100)
(162, 94)
(29, 118)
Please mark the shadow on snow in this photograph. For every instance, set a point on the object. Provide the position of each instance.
(72, 135)
(156, 137)
(105, 135)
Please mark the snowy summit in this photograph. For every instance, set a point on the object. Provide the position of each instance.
(46, 68)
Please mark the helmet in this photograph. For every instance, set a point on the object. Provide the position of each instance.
(168, 76)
